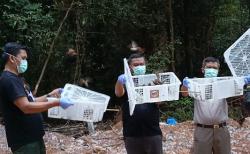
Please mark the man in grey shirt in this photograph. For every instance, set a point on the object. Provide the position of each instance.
(211, 134)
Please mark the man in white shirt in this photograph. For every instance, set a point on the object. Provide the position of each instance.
(211, 134)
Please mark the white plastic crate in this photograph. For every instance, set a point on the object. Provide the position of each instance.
(215, 88)
(88, 105)
(141, 89)
(237, 56)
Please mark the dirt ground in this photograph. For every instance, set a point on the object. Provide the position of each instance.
(176, 139)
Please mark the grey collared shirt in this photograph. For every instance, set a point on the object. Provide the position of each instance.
(210, 112)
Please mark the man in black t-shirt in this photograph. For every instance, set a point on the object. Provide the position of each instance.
(21, 113)
(141, 131)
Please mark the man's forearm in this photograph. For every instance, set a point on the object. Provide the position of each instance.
(119, 89)
(41, 99)
(184, 91)
(37, 107)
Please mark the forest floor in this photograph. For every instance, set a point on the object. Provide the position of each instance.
(107, 139)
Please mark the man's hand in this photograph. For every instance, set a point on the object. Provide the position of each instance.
(122, 79)
(65, 103)
(56, 93)
(186, 83)
(247, 79)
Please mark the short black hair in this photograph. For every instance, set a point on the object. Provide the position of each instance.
(12, 48)
(210, 59)
(135, 55)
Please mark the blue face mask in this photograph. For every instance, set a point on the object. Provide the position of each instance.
(210, 72)
(139, 70)
(23, 66)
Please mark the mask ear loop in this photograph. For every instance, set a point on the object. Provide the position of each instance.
(15, 58)
(17, 66)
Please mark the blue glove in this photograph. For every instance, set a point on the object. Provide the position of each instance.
(122, 79)
(60, 90)
(186, 83)
(247, 79)
(65, 103)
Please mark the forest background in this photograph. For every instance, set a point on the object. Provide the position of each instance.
(176, 34)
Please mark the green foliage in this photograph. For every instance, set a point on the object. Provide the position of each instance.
(109, 12)
(232, 19)
(159, 61)
(181, 109)
(201, 28)
(235, 112)
(26, 22)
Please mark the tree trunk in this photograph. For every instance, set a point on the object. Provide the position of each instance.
(171, 29)
(51, 49)
(188, 38)
(80, 46)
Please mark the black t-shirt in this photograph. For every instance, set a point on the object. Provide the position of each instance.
(144, 121)
(20, 128)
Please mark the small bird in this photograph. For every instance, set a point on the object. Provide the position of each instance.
(133, 46)
(71, 55)
(71, 52)
(84, 82)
